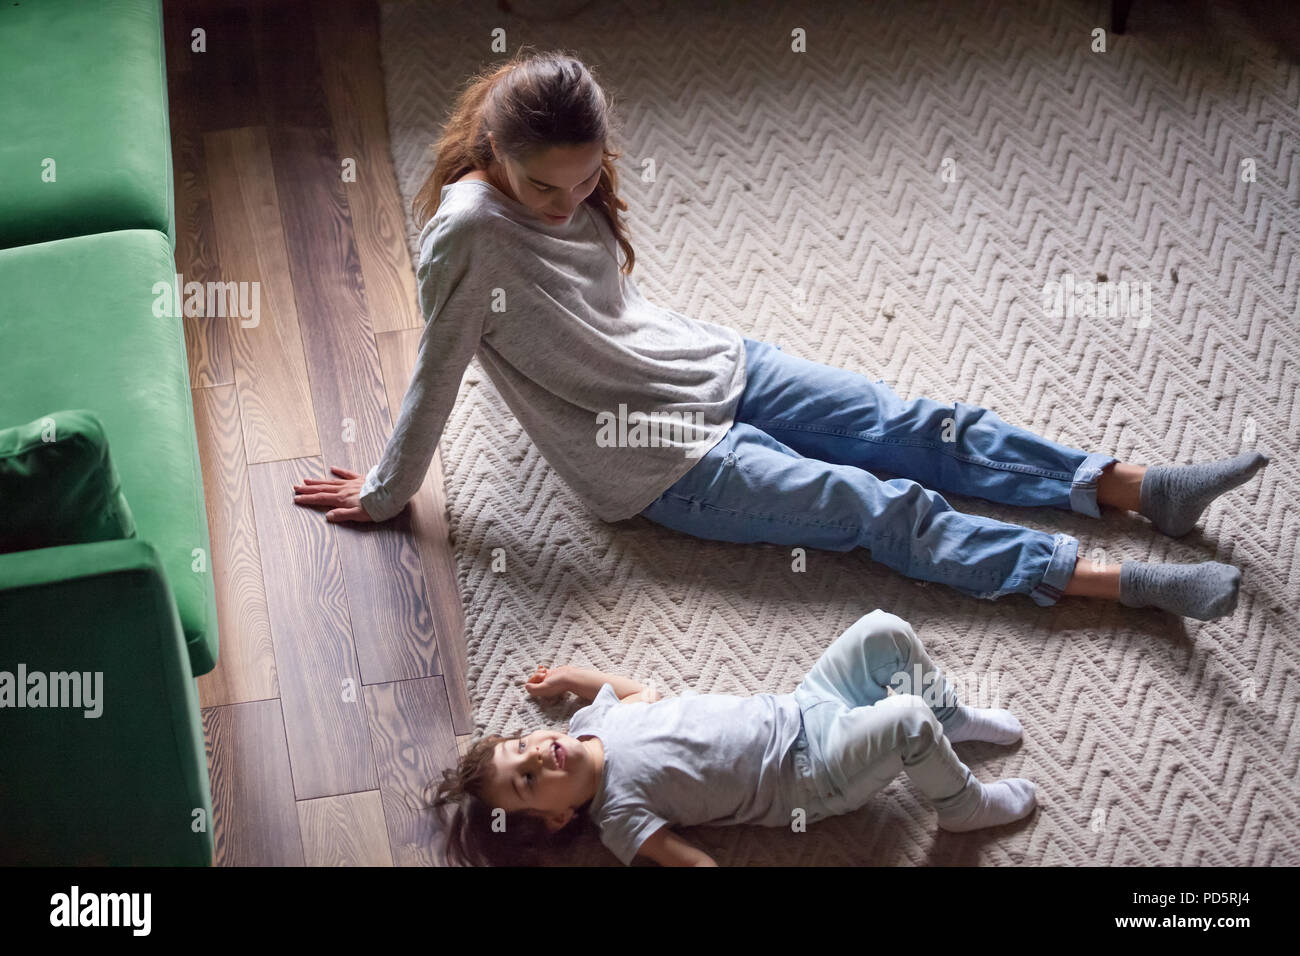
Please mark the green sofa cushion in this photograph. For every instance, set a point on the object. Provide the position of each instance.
(58, 484)
(85, 85)
(78, 331)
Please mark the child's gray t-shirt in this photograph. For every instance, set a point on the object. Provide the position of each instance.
(713, 759)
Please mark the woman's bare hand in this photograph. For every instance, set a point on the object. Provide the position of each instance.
(343, 494)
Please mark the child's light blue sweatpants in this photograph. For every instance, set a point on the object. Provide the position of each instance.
(796, 469)
(856, 738)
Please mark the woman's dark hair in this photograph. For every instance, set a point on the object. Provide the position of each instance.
(531, 104)
(467, 819)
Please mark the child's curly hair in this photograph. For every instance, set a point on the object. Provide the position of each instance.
(467, 819)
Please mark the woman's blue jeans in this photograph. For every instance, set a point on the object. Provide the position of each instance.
(796, 467)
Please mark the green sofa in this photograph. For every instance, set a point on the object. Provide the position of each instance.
(86, 145)
(105, 560)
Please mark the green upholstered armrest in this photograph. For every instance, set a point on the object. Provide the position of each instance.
(119, 776)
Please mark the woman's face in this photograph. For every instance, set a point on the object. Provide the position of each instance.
(553, 183)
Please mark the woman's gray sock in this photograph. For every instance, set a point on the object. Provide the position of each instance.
(1173, 496)
(1203, 591)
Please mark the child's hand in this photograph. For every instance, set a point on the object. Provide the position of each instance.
(549, 681)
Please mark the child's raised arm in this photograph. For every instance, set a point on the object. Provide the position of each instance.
(582, 681)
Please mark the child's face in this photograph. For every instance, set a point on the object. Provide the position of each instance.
(546, 773)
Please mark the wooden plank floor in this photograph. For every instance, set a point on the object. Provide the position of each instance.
(340, 691)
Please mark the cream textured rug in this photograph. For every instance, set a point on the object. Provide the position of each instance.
(801, 198)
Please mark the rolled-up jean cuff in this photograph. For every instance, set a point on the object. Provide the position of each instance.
(1060, 568)
(1083, 488)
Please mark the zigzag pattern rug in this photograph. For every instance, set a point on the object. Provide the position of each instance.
(802, 198)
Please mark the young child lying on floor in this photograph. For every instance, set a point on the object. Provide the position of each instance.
(636, 766)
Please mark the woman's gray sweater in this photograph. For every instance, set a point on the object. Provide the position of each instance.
(620, 396)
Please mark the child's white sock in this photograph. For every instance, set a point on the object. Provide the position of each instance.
(990, 724)
(994, 804)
